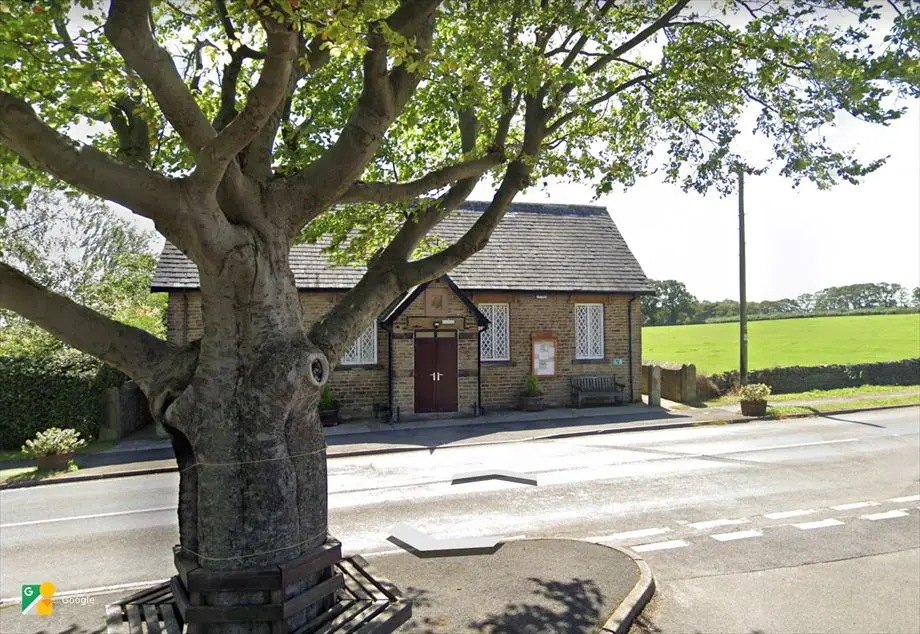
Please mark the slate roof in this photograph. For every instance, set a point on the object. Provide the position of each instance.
(536, 247)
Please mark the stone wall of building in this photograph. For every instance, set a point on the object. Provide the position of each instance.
(360, 388)
(503, 381)
(183, 317)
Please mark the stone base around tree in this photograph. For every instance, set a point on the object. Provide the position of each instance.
(356, 598)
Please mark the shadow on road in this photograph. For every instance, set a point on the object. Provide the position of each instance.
(435, 437)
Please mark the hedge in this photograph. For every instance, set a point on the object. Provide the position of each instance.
(38, 392)
(899, 310)
(794, 379)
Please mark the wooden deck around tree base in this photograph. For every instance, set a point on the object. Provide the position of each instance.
(366, 602)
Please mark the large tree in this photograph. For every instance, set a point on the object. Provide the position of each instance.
(671, 304)
(241, 126)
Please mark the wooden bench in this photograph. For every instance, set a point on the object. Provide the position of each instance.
(367, 604)
(602, 387)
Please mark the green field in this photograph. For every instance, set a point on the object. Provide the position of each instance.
(785, 342)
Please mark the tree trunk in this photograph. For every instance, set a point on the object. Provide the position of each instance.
(246, 432)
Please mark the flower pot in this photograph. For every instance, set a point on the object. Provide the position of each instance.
(329, 417)
(754, 408)
(54, 462)
(531, 403)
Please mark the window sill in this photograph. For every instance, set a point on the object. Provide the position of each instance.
(359, 366)
(498, 362)
(590, 361)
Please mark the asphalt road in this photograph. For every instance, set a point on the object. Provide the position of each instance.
(806, 525)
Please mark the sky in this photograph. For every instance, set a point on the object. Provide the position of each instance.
(798, 240)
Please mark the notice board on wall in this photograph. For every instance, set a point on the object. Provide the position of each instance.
(543, 353)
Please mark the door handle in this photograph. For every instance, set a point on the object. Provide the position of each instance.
(434, 376)
(439, 376)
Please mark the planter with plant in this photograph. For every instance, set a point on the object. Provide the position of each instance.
(328, 408)
(53, 448)
(532, 397)
(754, 399)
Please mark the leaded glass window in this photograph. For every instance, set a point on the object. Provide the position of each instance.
(589, 331)
(495, 342)
(364, 350)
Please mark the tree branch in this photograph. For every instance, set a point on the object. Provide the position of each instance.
(384, 279)
(580, 44)
(83, 166)
(639, 37)
(475, 239)
(661, 22)
(261, 102)
(401, 192)
(228, 85)
(135, 352)
(563, 119)
(258, 162)
(128, 29)
(382, 99)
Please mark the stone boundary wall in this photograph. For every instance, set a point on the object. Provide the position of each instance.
(125, 411)
(826, 377)
(678, 382)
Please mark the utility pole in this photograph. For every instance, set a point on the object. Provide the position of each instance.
(743, 302)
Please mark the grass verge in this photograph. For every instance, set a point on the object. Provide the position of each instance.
(785, 411)
(845, 392)
(22, 474)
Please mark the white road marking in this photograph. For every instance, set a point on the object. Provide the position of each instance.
(807, 526)
(886, 516)
(906, 498)
(853, 505)
(715, 523)
(645, 532)
(784, 514)
(96, 590)
(644, 548)
(727, 537)
(792, 446)
(87, 517)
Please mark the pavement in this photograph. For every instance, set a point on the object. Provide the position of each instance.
(144, 453)
(533, 586)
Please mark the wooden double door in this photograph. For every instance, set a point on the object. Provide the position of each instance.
(435, 371)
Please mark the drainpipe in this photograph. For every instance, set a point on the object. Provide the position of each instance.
(389, 331)
(479, 331)
(630, 344)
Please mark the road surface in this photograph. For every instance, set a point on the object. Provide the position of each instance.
(799, 525)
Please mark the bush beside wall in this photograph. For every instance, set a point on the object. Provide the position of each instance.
(38, 392)
(826, 377)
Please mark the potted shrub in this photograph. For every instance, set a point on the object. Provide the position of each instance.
(532, 398)
(53, 448)
(754, 399)
(328, 408)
